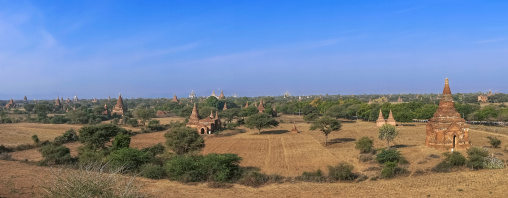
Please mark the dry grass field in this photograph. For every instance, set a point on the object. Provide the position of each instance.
(277, 151)
(21, 133)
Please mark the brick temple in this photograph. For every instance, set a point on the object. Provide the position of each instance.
(119, 108)
(447, 130)
(207, 125)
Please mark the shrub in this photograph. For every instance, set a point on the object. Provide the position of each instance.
(154, 125)
(132, 122)
(253, 179)
(58, 119)
(494, 142)
(35, 139)
(4, 149)
(154, 149)
(55, 154)
(476, 157)
(152, 171)
(184, 140)
(121, 141)
(364, 145)
(391, 170)
(211, 167)
(128, 158)
(87, 155)
(442, 167)
(365, 157)
(343, 171)
(455, 158)
(68, 136)
(316, 176)
(389, 155)
(492, 162)
(89, 181)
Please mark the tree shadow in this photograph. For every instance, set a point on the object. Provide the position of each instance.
(401, 146)
(348, 121)
(275, 132)
(339, 140)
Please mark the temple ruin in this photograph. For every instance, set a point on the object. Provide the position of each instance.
(221, 96)
(106, 110)
(381, 120)
(483, 98)
(175, 99)
(225, 106)
(207, 125)
(58, 103)
(119, 108)
(261, 107)
(10, 104)
(447, 130)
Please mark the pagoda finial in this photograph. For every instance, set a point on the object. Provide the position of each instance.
(446, 81)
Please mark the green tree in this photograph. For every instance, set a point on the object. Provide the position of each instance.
(145, 115)
(183, 140)
(35, 139)
(364, 145)
(230, 114)
(310, 117)
(260, 121)
(95, 136)
(55, 154)
(387, 132)
(326, 125)
(29, 107)
(121, 141)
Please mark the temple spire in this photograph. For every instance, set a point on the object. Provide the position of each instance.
(194, 115)
(446, 89)
(225, 106)
(211, 114)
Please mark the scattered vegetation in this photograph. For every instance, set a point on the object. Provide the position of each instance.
(326, 125)
(260, 121)
(387, 132)
(184, 140)
(494, 142)
(390, 155)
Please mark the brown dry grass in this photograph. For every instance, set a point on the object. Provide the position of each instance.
(276, 151)
(21, 133)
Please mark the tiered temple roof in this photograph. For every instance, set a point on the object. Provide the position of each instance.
(225, 106)
(380, 120)
(119, 108)
(447, 130)
(261, 107)
(391, 120)
(175, 99)
(57, 102)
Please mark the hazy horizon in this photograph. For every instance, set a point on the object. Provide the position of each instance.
(96, 49)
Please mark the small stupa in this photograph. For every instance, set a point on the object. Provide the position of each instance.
(225, 106)
(294, 129)
(175, 99)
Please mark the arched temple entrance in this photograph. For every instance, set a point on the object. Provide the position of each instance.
(454, 142)
(202, 131)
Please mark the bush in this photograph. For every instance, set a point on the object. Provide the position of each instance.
(5, 156)
(58, 119)
(55, 154)
(89, 181)
(211, 167)
(391, 170)
(68, 136)
(219, 185)
(154, 125)
(128, 158)
(492, 162)
(343, 171)
(364, 145)
(132, 122)
(253, 179)
(183, 140)
(4, 149)
(455, 158)
(35, 139)
(365, 157)
(154, 149)
(389, 155)
(152, 171)
(476, 157)
(121, 141)
(316, 176)
(494, 142)
(87, 155)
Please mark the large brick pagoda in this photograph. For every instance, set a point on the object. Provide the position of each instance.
(447, 130)
(119, 108)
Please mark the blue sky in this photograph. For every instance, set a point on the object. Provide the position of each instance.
(160, 48)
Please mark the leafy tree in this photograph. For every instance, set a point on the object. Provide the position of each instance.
(95, 136)
(326, 125)
(387, 132)
(78, 116)
(212, 102)
(249, 111)
(230, 114)
(310, 117)
(336, 111)
(145, 115)
(29, 107)
(260, 121)
(121, 141)
(183, 140)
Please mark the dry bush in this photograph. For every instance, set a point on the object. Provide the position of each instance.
(90, 181)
